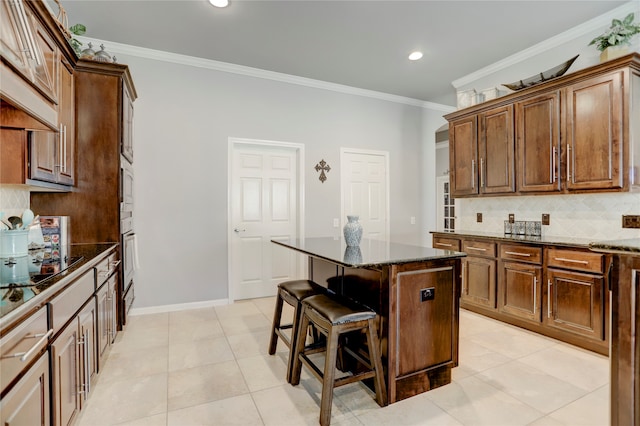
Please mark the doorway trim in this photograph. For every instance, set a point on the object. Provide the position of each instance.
(298, 148)
(385, 155)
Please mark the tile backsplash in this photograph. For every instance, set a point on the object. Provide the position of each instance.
(593, 216)
(14, 199)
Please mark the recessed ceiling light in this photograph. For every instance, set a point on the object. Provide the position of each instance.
(414, 56)
(219, 3)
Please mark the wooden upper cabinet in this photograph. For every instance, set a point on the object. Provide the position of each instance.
(463, 158)
(127, 125)
(538, 143)
(45, 66)
(12, 38)
(66, 118)
(576, 133)
(496, 149)
(594, 133)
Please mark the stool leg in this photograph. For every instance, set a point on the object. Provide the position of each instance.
(329, 377)
(376, 362)
(301, 337)
(297, 310)
(273, 342)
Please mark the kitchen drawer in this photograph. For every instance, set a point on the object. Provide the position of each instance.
(106, 268)
(446, 243)
(65, 305)
(521, 253)
(479, 248)
(576, 260)
(22, 345)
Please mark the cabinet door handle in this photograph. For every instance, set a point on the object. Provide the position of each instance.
(515, 253)
(64, 152)
(473, 173)
(87, 365)
(26, 355)
(548, 298)
(554, 176)
(564, 259)
(444, 245)
(535, 294)
(476, 248)
(463, 278)
(568, 163)
(481, 172)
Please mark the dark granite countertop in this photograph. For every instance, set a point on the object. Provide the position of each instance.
(531, 239)
(28, 299)
(370, 253)
(631, 246)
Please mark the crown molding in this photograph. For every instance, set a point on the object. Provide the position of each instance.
(159, 55)
(594, 24)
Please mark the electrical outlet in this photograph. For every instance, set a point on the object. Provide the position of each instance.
(512, 218)
(545, 218)
(478, 217)
(427, 294)
(336, 222)
(631, 221)
(412, 220)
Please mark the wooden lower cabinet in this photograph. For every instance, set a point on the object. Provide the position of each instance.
(520, 290)
(28, 401)
(479, 281)
(107, 316)
(574, 302)
(74, 365)
(558, 291)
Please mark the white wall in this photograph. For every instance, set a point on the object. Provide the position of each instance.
(183, 118)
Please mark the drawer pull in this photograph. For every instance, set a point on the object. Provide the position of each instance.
(25, 355)
(563, 259)
(515, 253)
(477, 248)
(444, 245)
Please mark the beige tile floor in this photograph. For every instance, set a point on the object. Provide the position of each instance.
(211, 367)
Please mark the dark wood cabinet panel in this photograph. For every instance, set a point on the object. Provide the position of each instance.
(521, 290)
(479, 281)
(64, 367)
(496, 151)
(538, 143)
(574, 302)
(432, 320)
(594, 133)
(463, 156)
(66, 117)
(28, 402)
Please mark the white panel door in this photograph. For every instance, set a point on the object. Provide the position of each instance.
(364, 191)
(263, 208)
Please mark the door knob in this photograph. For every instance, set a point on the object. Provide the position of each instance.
(238, 230)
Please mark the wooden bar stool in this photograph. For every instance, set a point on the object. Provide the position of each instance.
(292, 292)
(333, 317)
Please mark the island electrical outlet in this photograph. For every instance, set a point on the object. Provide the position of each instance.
(427, 294)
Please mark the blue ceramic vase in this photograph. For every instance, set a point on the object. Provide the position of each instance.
(352, 231)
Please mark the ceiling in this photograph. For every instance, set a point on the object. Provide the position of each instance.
(363, 44)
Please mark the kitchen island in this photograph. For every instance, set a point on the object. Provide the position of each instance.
(625, 323)
(415, 290)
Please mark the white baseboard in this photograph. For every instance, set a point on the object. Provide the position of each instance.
(178, 307)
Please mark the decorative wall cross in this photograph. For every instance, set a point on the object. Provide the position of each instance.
(321, 167)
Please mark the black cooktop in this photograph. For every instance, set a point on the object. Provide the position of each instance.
(30, 270)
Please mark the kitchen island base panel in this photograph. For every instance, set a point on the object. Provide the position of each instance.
(414, 384)
(419, 338)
